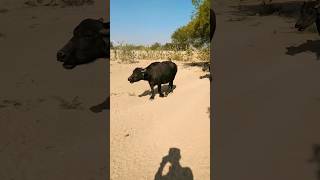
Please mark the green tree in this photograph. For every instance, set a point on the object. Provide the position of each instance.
(197, 31)
(168, 46)
(155, 46)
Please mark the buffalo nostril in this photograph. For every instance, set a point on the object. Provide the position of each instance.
(61, 55)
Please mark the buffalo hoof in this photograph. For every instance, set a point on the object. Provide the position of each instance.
(161, 95)
(152, 98)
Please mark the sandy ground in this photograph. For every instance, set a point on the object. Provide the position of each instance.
(266, 97)
(142, 131)
(46, 128)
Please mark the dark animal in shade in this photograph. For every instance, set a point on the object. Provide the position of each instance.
(309, 14)
(156, 73)
(316, 158)
(90, 41)
(206, 66)
(213, 23)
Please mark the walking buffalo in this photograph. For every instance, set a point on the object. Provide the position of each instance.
(156, 73)
(91, 40)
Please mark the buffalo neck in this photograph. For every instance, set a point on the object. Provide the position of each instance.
(145, 76)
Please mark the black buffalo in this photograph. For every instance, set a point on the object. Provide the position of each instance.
(213, 23)
(91, 40)
(156, 73)
(309, 14)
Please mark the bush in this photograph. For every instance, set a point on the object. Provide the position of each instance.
(176, 56)
(204, 54)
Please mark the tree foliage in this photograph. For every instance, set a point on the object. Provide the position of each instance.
(197, 31)
(155, 46)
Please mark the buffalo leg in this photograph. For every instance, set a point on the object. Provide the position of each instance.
(171, 86)
(159, 90)
(152, 91)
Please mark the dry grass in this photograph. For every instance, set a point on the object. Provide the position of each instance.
(130, 56)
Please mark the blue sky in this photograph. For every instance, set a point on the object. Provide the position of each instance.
(147, 21)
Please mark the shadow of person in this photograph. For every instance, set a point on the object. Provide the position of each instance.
(309, 46)
(176, 171)
(164, 88)
(316, 158)
(105, 105)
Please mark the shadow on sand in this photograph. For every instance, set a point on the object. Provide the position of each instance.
(176, 171)
(164, 88)
(309, 46)
(316, 158)
(285, 9)
(197, 64)
(105, 105)
(206, 76)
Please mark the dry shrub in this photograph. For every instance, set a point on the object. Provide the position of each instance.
(177, 56)
(127, 53)
(204, 54)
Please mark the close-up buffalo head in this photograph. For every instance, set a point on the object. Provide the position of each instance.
(90, 41)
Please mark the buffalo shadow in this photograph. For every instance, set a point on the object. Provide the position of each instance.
(308, 46)
(316, 158)
(206, 76)
(289, 9)
(105, 105)
(196, 64)
(205, 68)
(176, 171)
(164, 88)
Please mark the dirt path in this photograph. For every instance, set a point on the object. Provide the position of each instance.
(267, 97)
(142, 131)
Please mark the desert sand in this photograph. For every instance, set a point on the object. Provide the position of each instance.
(143, 130)
(47, 130)
(267, 97)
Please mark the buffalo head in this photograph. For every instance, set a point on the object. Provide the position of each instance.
(91, 40)
(137, 75)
